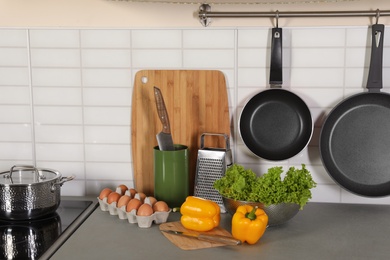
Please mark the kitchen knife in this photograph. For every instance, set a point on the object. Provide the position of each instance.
(164, 138)
(205, 237)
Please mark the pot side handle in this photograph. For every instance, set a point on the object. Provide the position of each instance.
(61, 182)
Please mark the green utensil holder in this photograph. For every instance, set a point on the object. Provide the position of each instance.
(171, 175)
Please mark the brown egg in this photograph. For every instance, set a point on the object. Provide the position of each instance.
(160, 206)
(123, 201)
(104, 193)
(132, 192)
(145, 210)
(113, 196)
(133, 204)
(152, 200)
(142, 196)
(123, 188)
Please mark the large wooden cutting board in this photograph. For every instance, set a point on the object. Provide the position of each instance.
(197, 103)
(191, 243)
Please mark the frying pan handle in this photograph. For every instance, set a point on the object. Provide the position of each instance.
(374, 82)
(276, 76)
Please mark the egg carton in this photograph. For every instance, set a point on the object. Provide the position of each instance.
(104, 206)
(132, 217)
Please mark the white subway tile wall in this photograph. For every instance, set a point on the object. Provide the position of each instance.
(65, 94)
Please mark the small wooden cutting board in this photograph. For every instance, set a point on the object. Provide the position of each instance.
(191, 243)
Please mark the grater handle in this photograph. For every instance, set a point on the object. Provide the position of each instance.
(215, 134)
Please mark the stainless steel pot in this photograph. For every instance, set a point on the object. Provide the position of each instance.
(27, 192)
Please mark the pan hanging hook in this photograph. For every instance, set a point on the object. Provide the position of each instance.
(277, 18)
(277, 33)
(378, 14)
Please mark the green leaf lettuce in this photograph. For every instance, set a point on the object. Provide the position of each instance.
(243, 184)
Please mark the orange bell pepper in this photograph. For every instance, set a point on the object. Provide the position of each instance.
(249, 224)
(200, 214)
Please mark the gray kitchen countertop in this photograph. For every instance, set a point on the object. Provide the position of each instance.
(320, 231)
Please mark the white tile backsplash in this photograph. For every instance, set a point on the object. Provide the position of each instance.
(208, 39)
(13, 57)
(153, 58)
(66, 168)
(156, 39)
(208, 59)
(253, 57)
(58, 134)
(110, 171)
(327, 193)
(355, 77)
(317, 57)
(107, 134)
(317, 38)
(119, 116)
(65, 94)
(15, 114)
(14, 76)
(357, 57)
(58, 115)
(56, 77)
(14, 95)
(107, 153)
(251, 38)
(13, 38)
(317, 77)
(358, 37)
(108, 77)
(52, 38)
(105, 58)
(320, 97)
(107, 96)
(55, 58)
(108, 39)
(253, 77)
(15, 133)
(15, 152)
(59, 152)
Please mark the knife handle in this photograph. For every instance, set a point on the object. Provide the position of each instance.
(219, 239)
(162, 111)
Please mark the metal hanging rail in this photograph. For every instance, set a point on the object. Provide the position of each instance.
(205, 14)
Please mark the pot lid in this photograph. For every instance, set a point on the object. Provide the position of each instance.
(26, 174)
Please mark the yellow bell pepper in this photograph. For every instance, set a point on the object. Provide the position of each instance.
(249, 224)
(200, 214)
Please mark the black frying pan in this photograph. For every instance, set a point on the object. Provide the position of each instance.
(355, 137)
(276, 124)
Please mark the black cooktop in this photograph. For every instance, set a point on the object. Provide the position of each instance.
(30, 239)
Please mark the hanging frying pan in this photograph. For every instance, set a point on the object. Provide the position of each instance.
(355, 137)
(276, 124)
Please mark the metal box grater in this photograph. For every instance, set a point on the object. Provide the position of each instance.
(211, 165)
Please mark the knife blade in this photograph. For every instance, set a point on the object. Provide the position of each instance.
(164, 138)
(206, 237)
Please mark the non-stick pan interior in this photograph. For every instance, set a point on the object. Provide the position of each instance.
(276, 124)
(355, 144)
